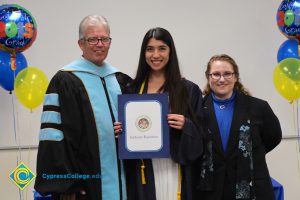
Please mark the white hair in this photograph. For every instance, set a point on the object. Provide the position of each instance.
(92, 20)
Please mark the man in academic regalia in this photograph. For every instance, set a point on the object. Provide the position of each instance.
(77, 156)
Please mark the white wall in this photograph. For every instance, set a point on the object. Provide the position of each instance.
(246, 30)
(283, 163)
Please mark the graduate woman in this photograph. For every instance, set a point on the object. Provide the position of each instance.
(240, 130)
(158, 72)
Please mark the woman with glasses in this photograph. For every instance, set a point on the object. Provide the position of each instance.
(239, 131)
(158, 72)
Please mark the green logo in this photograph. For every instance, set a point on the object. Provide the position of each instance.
(21, 176)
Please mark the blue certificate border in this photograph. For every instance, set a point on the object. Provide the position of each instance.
(164, 151)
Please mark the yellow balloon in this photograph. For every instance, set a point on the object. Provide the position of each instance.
(30, 87)
(287, 87)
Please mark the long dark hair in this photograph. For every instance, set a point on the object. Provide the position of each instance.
(173, 80)
(223, 57)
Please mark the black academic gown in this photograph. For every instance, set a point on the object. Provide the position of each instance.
(185, 147)
(266, 135)
(78, 152)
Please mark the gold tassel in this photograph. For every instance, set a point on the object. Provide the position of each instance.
(179, 183)
(143, 164)
(178, 195)
(143, 173)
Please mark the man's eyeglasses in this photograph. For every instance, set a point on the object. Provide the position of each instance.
(217, 76)
(95, 41)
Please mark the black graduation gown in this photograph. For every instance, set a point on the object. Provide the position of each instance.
(185, 147)
(266, 135)
(78, 152)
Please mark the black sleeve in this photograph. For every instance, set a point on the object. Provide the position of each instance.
(271, 134)
(57, 156)
(125, 83)
(189, 141)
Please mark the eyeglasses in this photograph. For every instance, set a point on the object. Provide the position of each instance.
(95, 41)
(217, 76)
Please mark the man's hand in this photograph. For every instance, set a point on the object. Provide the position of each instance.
(117, 128)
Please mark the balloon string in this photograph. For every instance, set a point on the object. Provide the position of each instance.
(15, 131)
(28, 161)
(20, 194)
(29, 151)
(298, 159)
(294, 115)
(298, 134)
(298, 139)
(16, 139)
(15, 113)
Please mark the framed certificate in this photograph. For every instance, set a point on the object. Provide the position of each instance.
(145, 126)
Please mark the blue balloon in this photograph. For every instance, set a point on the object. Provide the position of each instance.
(288, 49)
(7, 74)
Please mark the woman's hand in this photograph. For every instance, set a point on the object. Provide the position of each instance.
(117, 128)
(176, 121)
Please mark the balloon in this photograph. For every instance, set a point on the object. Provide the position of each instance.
(30, 87)
(17, 28)
(288, 49)
(7, 74)
(288, 18)
(291, 68)
(286, 87)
